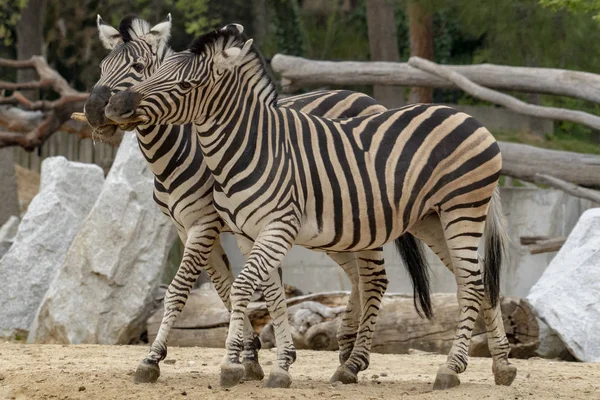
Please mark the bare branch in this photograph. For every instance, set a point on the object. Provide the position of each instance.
(548, 245)
(568, 187)
(28, 129)
(505, 100)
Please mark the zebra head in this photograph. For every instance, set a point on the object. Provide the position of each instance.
(190, 83)
(136, 51)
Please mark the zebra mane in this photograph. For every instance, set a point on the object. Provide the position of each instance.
(216, 39)
(132, 27)
(219, 39)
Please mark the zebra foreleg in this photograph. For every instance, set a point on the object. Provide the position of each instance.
(348, 328)
(372, 286)
(261, 268)
(198, 246)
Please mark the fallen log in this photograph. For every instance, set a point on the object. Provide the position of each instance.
(314, 320)
(524, 162)
(510, 102)
(297, 72)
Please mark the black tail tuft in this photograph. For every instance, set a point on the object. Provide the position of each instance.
(491, 267)
(411, 252)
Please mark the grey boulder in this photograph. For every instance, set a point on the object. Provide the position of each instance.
(8, 233)
(67, 192)
(103, 293)
(566, 297)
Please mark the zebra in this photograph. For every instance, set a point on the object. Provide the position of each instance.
(284, 177)
(183, 185)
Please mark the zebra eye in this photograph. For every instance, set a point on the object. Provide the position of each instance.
(139, 67)
(185, 85)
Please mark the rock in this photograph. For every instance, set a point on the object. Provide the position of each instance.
(67, 193)
(104, 291)
(566, 295)
(8, 233)
(551, 346)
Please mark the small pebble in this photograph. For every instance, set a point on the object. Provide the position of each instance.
(191, 363)
(337, 384)
(81, 388)
(384, 374)
(210, 387)
(1, 377)
(170, 361)
(205, 365)
(184, 393)
(268, 363)
(374, 376)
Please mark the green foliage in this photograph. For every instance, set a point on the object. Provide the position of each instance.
(10, 13)
(287, 27)
(576, 6)
(337, 35)
(197, 17)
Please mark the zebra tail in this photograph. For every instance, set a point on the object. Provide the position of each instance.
(411, 252)
(496, 246)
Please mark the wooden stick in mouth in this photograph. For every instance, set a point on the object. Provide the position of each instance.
(78, 116)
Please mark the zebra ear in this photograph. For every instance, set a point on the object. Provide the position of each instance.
(233, 56)
(109, 36)
(239, 28)
(161, 32)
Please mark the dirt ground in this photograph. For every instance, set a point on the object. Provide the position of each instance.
(106, 372)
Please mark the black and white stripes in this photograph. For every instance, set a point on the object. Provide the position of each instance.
(346, 185)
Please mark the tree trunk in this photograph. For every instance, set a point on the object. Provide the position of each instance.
(420, 21)
(9, 201)
(30, 40)
(383, 45)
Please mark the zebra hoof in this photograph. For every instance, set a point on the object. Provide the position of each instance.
(445, 379)
(345, 375)
(146, 372)
(504, 374)
(253, 371)
(231, 375)
(279, 378)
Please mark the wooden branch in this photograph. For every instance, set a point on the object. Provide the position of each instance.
(528, 240)
(300, 72)
(42, 84)
(546, 246)
(524, 162)
(77, 116)
(21, 130)
(568, 187)
(510, 102)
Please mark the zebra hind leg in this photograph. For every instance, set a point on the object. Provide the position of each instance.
(463, 229)
(372, 286)
(430, 231)
(197, 248)
(348, 328)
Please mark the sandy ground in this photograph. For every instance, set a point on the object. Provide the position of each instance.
(106, 372)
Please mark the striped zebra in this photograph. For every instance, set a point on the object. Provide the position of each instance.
(183, 187)
(284, 177)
